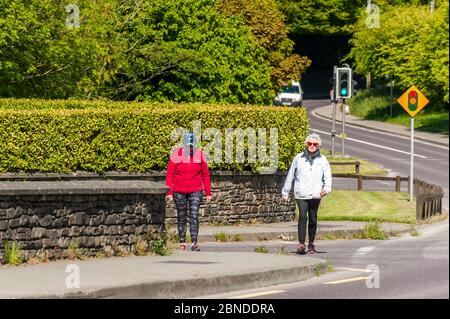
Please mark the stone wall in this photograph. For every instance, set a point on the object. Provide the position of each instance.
(50, 212)
(242, 197)
(237, 196)
(46, 224)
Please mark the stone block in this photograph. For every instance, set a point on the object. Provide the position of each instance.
(45, 221)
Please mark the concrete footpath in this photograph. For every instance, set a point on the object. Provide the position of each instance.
(398, 130)
(183, 274)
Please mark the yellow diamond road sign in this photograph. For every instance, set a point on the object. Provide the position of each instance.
(413, 101)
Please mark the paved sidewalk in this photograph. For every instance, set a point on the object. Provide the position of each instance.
(327, 112)
(180, 275)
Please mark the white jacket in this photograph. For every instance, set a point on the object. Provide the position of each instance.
(310, 179)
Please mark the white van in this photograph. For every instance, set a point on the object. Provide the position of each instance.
(290, 95)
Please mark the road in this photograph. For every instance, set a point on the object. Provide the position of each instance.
(430, 162)
(404, 268)
(407, 267)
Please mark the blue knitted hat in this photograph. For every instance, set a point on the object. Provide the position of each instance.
(189, 139)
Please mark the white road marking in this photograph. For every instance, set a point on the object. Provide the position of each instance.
(372, 144)
(343, 281)
(364, 251)
(258, 294)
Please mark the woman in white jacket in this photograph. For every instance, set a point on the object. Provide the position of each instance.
(311, 174)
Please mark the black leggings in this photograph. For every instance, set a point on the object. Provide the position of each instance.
(188, 205)
(307, 207)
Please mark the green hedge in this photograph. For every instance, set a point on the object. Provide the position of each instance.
(100, 136)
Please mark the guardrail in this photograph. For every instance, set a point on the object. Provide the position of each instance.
(428, 199)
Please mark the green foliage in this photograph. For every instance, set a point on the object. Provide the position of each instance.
(221, 236)
(371, 231)
(66, 136)
(331, 17)
(12, 254)
(225, 237)
(321, 16)
(75, 252)
(39, 55)
(159, 247)
(237, 237)
(189, 52)
(131, 50)
(410, 47)
(261, 250)
(266, 22)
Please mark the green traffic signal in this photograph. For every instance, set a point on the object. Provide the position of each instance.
(343, 82)
(344, 90)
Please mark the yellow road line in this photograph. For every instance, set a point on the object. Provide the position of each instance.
(343, 281)
(264, 293)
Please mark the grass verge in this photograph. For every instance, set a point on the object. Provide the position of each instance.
(367, 207)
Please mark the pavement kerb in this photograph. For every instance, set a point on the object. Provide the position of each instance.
(268, 236)
(329, 117)
(174, 289)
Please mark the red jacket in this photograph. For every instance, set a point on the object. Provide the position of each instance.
(188, 175)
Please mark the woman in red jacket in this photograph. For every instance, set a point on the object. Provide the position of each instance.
(187, 176)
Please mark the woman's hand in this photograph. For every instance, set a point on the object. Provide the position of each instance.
(208, 198)
(169, 197)
(322, 193)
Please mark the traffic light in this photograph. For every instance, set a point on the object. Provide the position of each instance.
(354, 86)
(413, 100)
(344, 83)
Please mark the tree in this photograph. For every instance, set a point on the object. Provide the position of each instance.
(411, 46)
(267, 24)
(321, 16)
(189, 52)
(131, 49)
(39, 55)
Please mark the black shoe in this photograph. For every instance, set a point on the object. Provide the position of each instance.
(195, 247)
(311, 248)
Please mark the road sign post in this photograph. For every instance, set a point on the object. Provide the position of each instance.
(333, 102)
(343, 128)
(413, 101)
(411, 168)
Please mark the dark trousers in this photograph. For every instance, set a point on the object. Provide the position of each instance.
(188, 205)
(308, 210)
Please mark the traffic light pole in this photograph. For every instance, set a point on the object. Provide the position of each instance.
(333, 102)
(411, 169)
(343, 128)
(333, 130)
